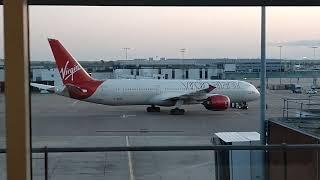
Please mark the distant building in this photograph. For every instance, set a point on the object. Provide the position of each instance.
(292, 71)
(46, 76)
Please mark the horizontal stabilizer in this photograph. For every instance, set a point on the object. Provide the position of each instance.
(43, 87)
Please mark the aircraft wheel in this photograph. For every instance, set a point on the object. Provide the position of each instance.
(153, 109)
(150, 109)
(177, 111)
(157, 109)
(244, 107)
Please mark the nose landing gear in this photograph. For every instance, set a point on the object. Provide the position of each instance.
(243, 105)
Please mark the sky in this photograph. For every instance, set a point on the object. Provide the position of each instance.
(101, 33)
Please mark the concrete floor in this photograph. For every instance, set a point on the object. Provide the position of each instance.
(62, 122)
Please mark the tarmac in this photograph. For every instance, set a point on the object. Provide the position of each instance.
(62, 122)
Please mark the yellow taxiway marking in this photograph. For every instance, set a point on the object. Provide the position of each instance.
(130, 160)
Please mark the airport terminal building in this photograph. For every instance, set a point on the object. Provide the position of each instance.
(278, 71)
(304, 72)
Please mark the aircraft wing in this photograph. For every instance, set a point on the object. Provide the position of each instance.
(43, 86)
(195, 95)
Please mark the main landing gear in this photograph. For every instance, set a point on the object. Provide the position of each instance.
(177, 110)
(153, 108)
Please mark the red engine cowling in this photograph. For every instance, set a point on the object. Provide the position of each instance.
(217, 103)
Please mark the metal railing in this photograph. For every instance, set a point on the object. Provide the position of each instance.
(299, 105)
(274, 147)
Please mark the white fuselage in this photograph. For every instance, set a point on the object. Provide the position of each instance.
(151, 92)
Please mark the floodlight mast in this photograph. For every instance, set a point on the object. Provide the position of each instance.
(280, 59)
(182, 50)
(126, 51)
(314, 51)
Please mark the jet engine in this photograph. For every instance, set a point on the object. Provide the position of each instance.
(217, 103)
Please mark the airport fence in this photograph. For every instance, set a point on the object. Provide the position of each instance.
(280, 148)
(301, 107)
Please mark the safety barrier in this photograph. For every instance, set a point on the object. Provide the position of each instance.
(275, 147)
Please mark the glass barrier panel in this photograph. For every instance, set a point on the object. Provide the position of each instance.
(167, 75)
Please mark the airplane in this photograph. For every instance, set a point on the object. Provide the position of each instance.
(214, 95)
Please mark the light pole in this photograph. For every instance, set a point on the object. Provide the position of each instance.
(280, 58)
(126, 51)
(182, 50)
(314, 51)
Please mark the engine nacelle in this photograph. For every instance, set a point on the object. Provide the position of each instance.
(217, 103)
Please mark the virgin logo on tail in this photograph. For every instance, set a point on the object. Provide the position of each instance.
(66, 73)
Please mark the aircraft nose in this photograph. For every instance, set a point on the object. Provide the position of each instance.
(256, 93)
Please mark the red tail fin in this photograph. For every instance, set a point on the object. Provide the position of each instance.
(70, 70)
(78, 82)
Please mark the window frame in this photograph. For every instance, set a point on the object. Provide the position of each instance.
(19, 37)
